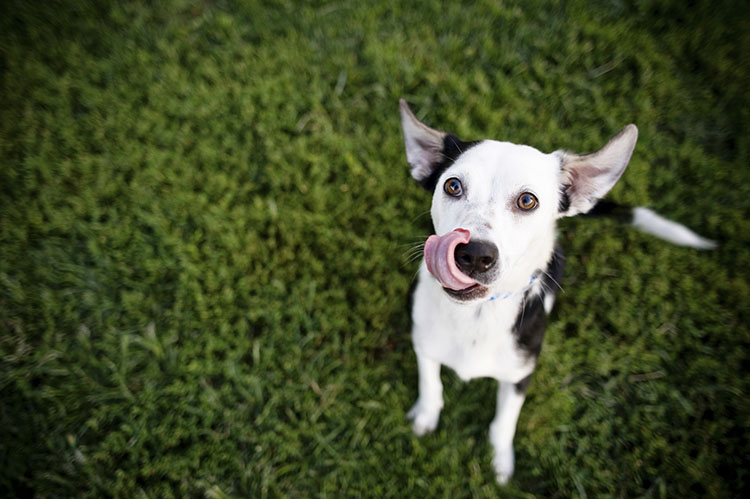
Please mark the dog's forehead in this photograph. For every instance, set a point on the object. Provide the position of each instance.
(507, 163)
(506, 155)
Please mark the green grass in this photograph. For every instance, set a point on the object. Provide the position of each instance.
(204, 213)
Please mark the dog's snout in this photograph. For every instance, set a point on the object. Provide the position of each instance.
(476, 257)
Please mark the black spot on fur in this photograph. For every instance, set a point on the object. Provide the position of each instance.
(522, 385)
(553, 276)
(530, 324)
(564, 204)
(453, 147)
(609, 209)
(531, 320)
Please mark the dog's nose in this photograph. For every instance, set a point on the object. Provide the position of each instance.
(476, 257)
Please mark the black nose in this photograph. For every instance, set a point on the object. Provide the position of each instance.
(476, 257)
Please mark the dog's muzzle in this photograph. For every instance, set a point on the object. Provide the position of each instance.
(458, 263)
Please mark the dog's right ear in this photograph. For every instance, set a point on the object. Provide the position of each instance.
(424, 145)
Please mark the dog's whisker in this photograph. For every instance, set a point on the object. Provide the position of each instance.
(421, 215)
(419, 246)
(412, 258)
(416, 239)
(412, 252)
(456, 144)
(414, 276)
(412, 245)
(553, 280)
(545, 287)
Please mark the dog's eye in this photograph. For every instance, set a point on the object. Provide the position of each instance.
(453, 187)
(527, 201)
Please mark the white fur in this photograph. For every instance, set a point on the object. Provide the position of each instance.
(476, 339)
(502, 429)
(652, 223)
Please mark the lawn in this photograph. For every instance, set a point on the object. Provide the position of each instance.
(205, 222)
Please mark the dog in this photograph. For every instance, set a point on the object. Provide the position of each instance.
(491, 271)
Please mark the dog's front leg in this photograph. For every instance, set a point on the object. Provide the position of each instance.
(426, 410)
(510, 398)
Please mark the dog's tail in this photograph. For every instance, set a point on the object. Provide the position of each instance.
(650, 222)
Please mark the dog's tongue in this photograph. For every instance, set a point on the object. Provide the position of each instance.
(441, 262)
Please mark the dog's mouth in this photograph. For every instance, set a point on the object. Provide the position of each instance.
(474, 292)
(440, 257)
(441, 261)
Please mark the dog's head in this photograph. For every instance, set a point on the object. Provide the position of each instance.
(495, 204)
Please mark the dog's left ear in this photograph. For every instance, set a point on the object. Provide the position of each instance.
(587, 178)
(424, 145)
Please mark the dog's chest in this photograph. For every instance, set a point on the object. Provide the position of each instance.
(475, 341)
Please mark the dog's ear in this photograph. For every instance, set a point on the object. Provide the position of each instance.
(424, 145)
(587, 178)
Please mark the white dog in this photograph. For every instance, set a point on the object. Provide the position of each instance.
(490, 273)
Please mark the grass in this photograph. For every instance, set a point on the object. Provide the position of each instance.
(204, 213)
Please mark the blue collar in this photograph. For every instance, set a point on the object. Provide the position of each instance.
(501, 296)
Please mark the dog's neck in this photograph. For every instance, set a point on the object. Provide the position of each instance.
(503, 295)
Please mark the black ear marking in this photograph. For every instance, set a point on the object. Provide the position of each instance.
(564, 203)
(429, 152)
(453, 147)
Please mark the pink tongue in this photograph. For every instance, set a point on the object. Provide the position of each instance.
(441, 262)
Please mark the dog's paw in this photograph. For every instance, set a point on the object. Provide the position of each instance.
(424, 419)
(503, 463)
